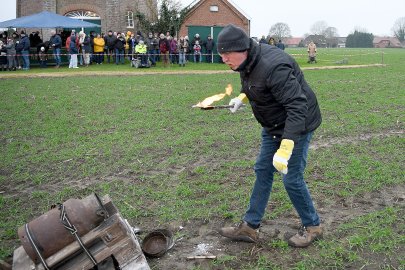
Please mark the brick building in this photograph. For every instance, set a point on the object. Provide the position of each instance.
(386, 42)
(213, 14)
(208, 17)
(116, 15)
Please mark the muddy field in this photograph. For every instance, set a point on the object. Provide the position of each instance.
(199, 237)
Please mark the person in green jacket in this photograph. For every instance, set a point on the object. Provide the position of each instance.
(140, 50)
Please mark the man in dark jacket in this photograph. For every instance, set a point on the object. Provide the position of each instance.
(209, 47)
(119, 47)
(151, 43)
(280, 45)
(110, 39)
(24, 47)
(287, 108)
(56, 44)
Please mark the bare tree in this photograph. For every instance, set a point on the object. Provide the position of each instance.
(280, 31)
(319, 28)
(399, 29)
(331, 32)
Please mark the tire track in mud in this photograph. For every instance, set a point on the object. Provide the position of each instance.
(330, 142)
(130, 177)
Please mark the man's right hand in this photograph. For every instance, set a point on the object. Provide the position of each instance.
(236, 103)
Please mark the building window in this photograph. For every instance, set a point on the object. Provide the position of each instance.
(130, 19)
(83, 15)
(214, 8)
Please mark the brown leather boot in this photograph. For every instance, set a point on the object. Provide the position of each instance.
(305, 236)
(241, 233)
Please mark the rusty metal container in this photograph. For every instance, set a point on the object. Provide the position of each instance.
(157, 243)
(48, 233)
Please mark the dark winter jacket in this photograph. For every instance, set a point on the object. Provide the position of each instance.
(73, 45)
(209, 44)
(24, 44)
(282, 101)
(110, 41)
(86, 44)
(152, 43)
(132, 42)
(3, 56)
(196, 39)
(56, 39)
(120, 43)
(280, 45)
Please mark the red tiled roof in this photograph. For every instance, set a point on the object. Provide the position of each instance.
(293, 41)
(393, 40)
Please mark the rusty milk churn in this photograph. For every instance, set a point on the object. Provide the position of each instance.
(47, 235)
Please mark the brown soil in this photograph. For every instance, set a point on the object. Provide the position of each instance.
(201, 237)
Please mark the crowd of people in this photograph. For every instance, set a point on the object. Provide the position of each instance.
(83, 49)
(95, 48)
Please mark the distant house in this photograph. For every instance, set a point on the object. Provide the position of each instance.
(293, 42)
(319, 40)
(209, 17)
(386, 42)
(341, 42)
(332, 42)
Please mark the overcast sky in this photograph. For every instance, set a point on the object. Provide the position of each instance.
(377, 17)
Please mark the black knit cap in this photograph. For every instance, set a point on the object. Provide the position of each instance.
(232, 39)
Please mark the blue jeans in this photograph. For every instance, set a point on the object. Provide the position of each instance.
(174, 58)
(293, 181)
(197, 57)
(182, 58)
(208, 56)
(152, 56)
(56, 54)
(26, 59)
(119, 56)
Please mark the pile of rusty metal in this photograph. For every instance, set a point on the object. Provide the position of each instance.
(79, 234)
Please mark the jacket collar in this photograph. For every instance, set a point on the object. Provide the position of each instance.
(252, 59)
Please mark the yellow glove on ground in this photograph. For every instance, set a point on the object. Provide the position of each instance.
(283, 154)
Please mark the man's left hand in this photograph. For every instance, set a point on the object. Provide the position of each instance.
(283, 154)
(236, 103)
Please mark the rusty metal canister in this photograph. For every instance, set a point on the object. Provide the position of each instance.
(48, 233)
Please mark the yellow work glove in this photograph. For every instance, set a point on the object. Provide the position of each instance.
(243, 97)
(283, 154)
